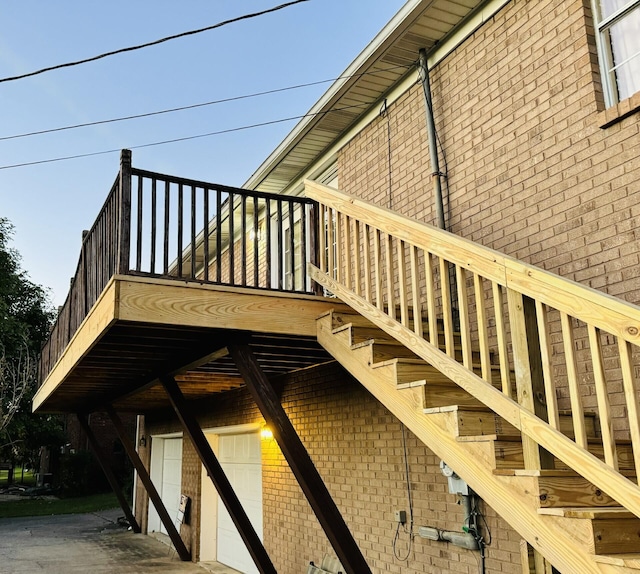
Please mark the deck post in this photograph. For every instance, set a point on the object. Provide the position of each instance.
(528, 367)
(129, 448)
(299, 461)
(100, 456)
(124, 213)
(220, 481)
(537, 376)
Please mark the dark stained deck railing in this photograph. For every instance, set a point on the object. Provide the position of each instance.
(161, 226)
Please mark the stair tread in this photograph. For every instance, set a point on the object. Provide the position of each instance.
(324, 314)
(591, 440)
(411, 385)
(455, 408)
(548, 472)
(591, 513)
(412, 361)
(403, 360)
(479, 438)
(485, 409)
(625, 560)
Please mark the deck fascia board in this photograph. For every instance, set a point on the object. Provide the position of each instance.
(220, 307)
(102, 315)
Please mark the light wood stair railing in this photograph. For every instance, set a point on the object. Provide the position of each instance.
(554, 362)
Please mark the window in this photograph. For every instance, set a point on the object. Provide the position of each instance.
(618, 36)
(293, 279)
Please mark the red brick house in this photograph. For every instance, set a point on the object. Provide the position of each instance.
(428, 292)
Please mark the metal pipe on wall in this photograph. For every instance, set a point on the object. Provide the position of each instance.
(433, 147)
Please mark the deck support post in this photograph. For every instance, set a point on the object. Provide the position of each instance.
(169, 524)
(299, 461)
(111, 477)
(220, 481)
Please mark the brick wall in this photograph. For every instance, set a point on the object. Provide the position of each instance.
(357, 447)
(531, 173)
(518, 109)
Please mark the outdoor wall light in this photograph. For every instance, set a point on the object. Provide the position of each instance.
(266, 433)
(253, 235)
(142, 441)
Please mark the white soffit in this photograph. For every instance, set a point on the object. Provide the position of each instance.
(418, 24)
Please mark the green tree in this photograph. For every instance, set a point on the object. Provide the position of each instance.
(25, 318)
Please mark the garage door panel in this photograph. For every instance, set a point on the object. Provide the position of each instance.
(167, 477)
(173, 448)
(241, 459)
(252, 483)
(171, 498)
(255, 450)
(172, 472)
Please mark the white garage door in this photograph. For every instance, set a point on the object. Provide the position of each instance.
(166, 474)
(241, 460)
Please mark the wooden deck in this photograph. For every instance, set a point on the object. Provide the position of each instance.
(171, 272)
(143, 328)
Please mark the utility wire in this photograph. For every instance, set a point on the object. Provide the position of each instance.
(199, 105)
(155, 42)
(186, 138)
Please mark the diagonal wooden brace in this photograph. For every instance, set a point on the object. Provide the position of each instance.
(113, 481)
(299, 461)
(154, 496)
(218, 477)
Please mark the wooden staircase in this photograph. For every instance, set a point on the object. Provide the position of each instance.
(576, 527)
(488, 400)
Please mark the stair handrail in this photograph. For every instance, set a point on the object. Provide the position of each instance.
(364, 249)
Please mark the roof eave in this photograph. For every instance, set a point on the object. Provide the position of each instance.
(391, 32)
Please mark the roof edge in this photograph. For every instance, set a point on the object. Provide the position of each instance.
(402, 19)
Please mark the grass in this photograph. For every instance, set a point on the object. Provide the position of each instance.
(36, 507)
(29, 477)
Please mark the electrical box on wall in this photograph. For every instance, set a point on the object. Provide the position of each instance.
(456, 484)
(400, 516)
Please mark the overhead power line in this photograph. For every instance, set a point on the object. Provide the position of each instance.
(198, 105)
(186, 138)
(154, 43)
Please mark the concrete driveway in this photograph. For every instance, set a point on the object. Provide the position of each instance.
(83, 543)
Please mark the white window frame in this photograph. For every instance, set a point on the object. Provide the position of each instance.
(302, 281)
(330, 178)
(605, 52)
(296, 276)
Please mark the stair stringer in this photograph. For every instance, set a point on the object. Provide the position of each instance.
(587, 465)
(513, 498)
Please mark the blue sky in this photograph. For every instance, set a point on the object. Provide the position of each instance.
(50, 204)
